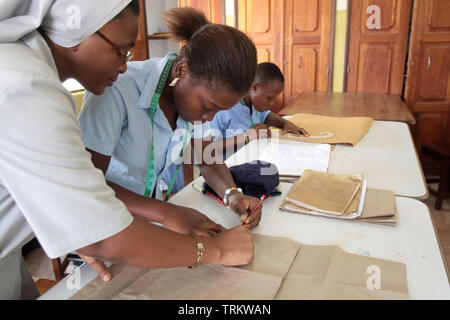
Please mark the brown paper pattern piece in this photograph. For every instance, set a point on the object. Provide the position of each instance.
(282, 269)
(349, 130)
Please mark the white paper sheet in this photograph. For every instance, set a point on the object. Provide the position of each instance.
(293, 159)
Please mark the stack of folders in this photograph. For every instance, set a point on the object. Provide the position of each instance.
(340, 196)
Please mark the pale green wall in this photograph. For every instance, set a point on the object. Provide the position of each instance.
(339, 50)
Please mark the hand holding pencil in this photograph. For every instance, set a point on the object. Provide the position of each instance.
(257, 205)
(248, 208)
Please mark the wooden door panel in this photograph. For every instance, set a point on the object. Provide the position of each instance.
(140, 50)
(214, 10)
(262, 20)
(304, 65)
(293, 34)
(433, 76)
(305, 16)
(307, 46)
(202, 5)
(365, 72)
(427, 91)
(440, 14)
(258, 18)
(264, 53)
(388, 13)
(376, 64)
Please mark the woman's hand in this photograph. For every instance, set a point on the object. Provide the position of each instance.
(186, 221)
(235, 247)
(99, 266)
(242, 205)
(289, 127)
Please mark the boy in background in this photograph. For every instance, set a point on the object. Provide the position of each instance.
(251, 117)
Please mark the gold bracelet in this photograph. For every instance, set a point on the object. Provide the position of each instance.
(200, 251)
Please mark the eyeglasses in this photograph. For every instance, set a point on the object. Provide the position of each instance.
(121, 52)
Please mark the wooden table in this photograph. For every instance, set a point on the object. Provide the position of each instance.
(376, 106)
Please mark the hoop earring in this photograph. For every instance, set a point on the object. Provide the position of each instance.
(174, 82)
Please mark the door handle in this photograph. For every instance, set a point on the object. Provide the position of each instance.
(428, 63)
(300, 62)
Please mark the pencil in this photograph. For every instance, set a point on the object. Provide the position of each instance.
(257, 205)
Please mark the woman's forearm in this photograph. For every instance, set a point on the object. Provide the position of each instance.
(149, 209)
(152, 247)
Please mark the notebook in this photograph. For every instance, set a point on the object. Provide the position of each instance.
(342, 197)
(324, 194)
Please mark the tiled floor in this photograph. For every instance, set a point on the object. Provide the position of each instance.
(42, 271)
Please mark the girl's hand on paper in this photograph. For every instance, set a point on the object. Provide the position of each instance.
(289, 127)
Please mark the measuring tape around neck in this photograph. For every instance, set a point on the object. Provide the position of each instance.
(151, 160)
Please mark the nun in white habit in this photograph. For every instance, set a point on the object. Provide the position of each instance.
(49, 187)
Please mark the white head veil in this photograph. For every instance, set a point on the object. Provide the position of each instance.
(65, 22)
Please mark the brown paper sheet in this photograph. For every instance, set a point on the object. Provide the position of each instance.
(282, 269)
(273, 257)
(327, 272)
(383, 219)
(326, 192)
(348, 130)
(378, 203)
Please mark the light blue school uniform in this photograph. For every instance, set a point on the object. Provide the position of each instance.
(235, 121)
(118, 124)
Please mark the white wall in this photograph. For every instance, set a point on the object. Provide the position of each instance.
(229, 7)
(341, 5)
(159, 48)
